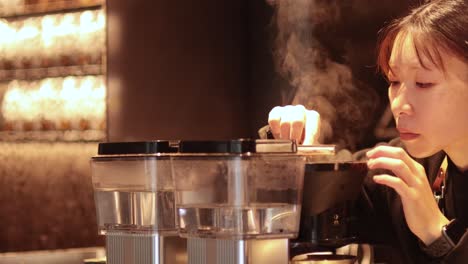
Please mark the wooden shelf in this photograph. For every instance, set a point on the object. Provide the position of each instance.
(51, 7)
(50, 72)
(52, 136)
(69, 67)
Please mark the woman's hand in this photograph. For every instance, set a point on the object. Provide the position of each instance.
(422, 213)
(295, 122)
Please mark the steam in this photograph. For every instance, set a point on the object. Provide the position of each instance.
(317, 81)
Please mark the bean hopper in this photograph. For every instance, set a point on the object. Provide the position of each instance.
(135, 203)
(238, 201)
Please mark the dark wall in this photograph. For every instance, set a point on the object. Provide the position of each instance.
(264, 83)
(205, 69)
(177, 69)
(46, 196)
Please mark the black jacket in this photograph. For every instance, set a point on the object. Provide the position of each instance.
(383, 221)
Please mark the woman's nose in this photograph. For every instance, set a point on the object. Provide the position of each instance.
(399, 101)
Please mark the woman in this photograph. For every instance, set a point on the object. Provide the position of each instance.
(425, 59)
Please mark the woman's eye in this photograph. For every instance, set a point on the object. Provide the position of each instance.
(424, 85)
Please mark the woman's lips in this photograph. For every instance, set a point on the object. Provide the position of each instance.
(408, 136)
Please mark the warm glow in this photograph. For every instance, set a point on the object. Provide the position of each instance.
(51, 36)
(11, 6)
(71, 103)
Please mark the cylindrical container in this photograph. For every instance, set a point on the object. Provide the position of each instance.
(133, 186)
(135, 203)
(238, 189)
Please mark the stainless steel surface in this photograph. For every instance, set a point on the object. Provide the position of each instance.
(272, 220)
(130, 209)
(324, 258)
(352, 253)
(317, 149)
(126, 248)
(95, 261)
(272, 146)
(217, 251)
(66, 256)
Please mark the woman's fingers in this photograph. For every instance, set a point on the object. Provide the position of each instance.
(295, 122)
(287, 117)
(274, 121)
(395, 153)
(421, 211)
(312, 128)
(294, 119)
(397, 166)
(287, 122)
(393, 182)
(297, 129)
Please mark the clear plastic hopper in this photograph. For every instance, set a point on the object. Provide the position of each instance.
(233, 197)
(135, 202)
(238, 194)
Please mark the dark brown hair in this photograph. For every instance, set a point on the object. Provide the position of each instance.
(436, 26)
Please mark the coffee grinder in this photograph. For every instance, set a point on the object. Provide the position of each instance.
(135, 203)
(238, 201)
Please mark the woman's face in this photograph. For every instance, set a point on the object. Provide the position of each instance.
(430, 105)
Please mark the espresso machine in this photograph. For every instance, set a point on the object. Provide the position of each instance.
(230, 202)
(135, 203)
